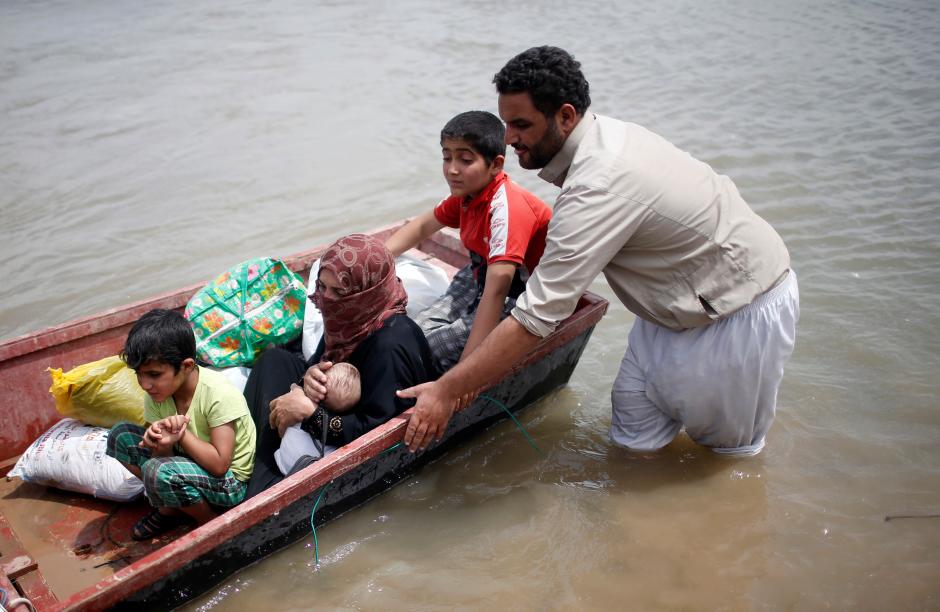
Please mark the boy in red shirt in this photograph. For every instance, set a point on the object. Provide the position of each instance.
(501, 224)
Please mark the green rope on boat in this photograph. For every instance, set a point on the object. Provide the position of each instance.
(516, 421)
(313, 526)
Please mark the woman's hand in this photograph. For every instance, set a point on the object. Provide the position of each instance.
(290, 409)
(315, 381)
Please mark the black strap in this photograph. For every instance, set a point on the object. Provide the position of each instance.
(317, 426)
(324, 429)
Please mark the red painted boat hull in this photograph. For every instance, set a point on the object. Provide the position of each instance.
(74, 535)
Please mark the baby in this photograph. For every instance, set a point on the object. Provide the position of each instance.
(344, 386)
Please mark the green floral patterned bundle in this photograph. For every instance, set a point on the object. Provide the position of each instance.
(257, 304)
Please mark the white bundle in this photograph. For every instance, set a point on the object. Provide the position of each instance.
(71, 456)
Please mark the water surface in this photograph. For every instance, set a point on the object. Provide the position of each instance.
(146, 147)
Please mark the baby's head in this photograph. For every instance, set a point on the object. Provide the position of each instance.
(343, 389)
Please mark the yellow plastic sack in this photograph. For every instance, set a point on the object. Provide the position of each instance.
(102, 393)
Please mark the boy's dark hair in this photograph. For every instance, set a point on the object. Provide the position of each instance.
(160, 335)
(550, 75)
(483, 131)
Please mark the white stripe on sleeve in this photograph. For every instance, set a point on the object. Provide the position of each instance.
(499, 222)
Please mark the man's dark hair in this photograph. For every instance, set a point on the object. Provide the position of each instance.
(160, 335)
(550, 75)
(483, 131)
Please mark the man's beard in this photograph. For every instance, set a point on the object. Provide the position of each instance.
(545, 149)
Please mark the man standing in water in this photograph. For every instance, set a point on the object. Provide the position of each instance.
(708, 279)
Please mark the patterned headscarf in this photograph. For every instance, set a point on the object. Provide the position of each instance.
(372, 293)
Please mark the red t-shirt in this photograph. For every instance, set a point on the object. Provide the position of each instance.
(503, 223)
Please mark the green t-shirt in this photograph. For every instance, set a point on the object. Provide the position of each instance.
(215, 402)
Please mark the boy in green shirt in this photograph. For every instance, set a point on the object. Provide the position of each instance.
(198, 451)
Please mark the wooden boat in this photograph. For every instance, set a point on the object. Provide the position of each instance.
(68, 551)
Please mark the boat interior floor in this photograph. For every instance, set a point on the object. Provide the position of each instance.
(74, 540)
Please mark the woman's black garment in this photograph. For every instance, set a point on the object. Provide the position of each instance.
(394, 357)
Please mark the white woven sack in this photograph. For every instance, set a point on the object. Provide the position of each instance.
(424, 282)
(313, 320)
(71, 456)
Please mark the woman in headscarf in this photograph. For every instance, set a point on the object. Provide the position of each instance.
(363, 306)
